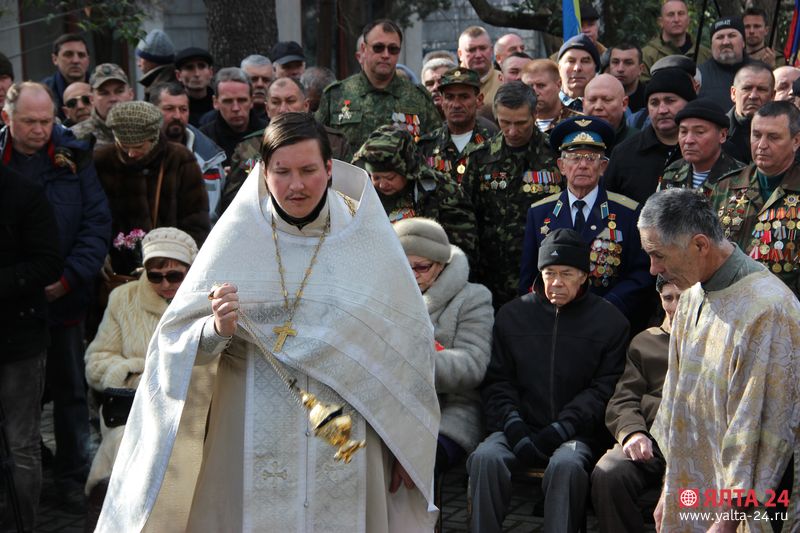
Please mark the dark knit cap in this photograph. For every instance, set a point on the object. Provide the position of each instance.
(581, 42)
(588, 12)
(6, 69)
(671, 81)
(705, 109)
(726, 23)
(564, 247)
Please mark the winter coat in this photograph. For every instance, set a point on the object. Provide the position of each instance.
(116, 358)
(64, 167)
(210, 158)
(131, 190)
(462, 316)
(555, 364)
(30, 259)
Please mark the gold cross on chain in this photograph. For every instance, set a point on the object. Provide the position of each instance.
(283, 332)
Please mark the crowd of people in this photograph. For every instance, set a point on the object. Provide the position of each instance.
(225, 247)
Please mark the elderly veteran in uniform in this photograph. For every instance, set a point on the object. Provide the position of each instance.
(702, 130)
(605, 220)
(447, 149)
(407, 188)
(150, 182)
(462, 317)
(545, 406)
(759, 207)
(632, 470)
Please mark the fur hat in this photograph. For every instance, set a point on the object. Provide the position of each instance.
(423, 237)
(134, 122)
(564, 247)
(170, 243)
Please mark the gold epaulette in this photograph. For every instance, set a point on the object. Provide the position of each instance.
(623, 200)
(548, 199)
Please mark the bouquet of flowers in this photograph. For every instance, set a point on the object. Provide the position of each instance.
(132, 241)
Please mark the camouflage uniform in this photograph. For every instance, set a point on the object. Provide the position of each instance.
(503, 183)
(679, 173)
(248, 153)
(357, 108)
(441, 154)
(768, 231)
(94, 128)
(428, 193)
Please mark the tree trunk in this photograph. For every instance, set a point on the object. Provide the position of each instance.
(238, 28)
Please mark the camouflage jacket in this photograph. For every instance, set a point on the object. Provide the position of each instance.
(657, 48)
(768, 231)
(357, 108)
(679, 173)
(248, 152)
(503, 183)
(442, 155)
(94, 128)
(436, 196)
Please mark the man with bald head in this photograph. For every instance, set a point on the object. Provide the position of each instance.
(77, 103)
(784, 77)
(605, 97)
(506, 45)
(84, 229)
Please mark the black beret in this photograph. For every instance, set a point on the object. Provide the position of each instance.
(706, 109)
(183, 57)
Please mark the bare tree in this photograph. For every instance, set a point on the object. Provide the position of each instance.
(238, 28)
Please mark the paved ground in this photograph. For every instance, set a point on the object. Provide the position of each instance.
(54, 519)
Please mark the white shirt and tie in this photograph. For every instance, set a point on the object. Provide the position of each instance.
(586, 206)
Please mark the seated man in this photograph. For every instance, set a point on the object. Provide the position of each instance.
(545, 407)
(634, 464)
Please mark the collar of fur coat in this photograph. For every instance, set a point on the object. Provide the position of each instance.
(449, 283)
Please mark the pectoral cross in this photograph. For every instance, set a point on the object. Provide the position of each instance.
(283, 331)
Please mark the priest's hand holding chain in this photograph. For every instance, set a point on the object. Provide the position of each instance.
(225, 306)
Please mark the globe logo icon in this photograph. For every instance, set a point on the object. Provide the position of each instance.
(688, 497)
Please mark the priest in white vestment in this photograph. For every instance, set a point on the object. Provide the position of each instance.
(313, 266)
(729, 419)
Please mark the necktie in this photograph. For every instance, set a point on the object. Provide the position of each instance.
(580, 220)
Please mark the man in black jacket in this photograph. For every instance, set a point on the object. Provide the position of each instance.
(30, 260)
(556, 356)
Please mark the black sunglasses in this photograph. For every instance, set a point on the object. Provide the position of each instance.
(173, 276)
(378, 48)
(72, 102)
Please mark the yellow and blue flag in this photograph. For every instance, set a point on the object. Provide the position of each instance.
(571, 11)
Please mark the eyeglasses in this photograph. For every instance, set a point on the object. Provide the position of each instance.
(72, 102)
(173, 276)
(378, 48)
(575, 158)
(422, 269)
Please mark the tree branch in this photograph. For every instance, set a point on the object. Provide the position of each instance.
(512, 19)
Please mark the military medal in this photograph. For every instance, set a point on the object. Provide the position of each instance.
(461, 168)
(344, 114)
(546, 228)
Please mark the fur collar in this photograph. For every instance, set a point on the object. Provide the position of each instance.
(449, 283)
(149, 298)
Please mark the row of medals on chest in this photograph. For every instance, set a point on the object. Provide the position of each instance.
(773, 235)
(533, 181)
(604, 257)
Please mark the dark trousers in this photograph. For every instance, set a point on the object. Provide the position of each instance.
(66, 383)
(617, 487)
(21, 386)
(565, 484)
